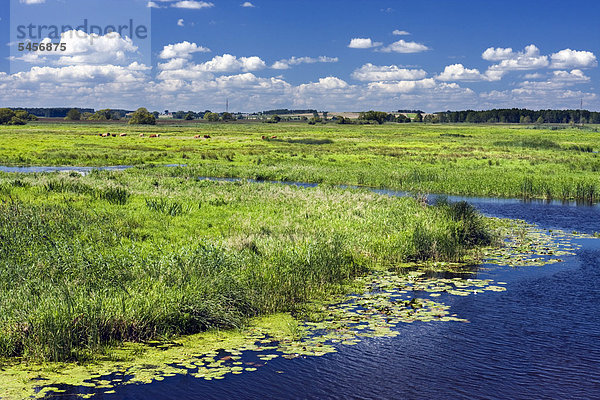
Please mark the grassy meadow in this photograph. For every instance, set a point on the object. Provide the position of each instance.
(500, 161)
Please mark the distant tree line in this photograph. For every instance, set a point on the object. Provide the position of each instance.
(517, 115)
(54, 112)
(411, 111)
(380, 117)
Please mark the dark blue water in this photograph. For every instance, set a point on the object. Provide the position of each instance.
(540, 339)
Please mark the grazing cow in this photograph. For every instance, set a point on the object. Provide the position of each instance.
(154, 135)
(101, 134)
(141, 135)
(264, 137)
(106, 135)
(206, 136)
(273, 137)
(197, 137)
(123, 134)
(114, 135)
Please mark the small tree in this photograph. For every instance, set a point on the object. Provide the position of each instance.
(102, 115)
(540, 120)
(227, 116)
(189, 116)
(211, 117)
(379, 116)
(73, 115)
(142, 117)
(525, 119)
(6, 114)
(418, 118)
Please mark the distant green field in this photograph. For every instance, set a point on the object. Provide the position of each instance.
(509, 161)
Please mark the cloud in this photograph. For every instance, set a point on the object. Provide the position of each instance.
(402, 86)
(192, 4)
(498, 54)
(181, 68)
(575, 75)
(230, 63)
(402, 46)
(180, 22)
(324, 84)
(558, 80)
(182, 50)
(371, 73)
(528, 59)
(363, 43)
(32, 1)
(458, 72)
(535, 75)
(248, 4)
(400, 33)
(568, 58)
(152, 4)
(286, 63)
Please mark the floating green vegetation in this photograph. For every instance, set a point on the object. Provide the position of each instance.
(527, 245)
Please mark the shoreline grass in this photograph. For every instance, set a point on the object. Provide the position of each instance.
(144, 254)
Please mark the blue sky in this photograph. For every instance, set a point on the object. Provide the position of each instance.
(331, 55)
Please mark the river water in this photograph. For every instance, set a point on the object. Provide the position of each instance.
(539, 339)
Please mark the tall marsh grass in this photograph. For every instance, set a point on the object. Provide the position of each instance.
(79, 274)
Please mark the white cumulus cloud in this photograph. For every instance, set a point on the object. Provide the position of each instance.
(498, 54)
(371, 73)
(402, 46)
(458, 72)
(398, 32)
(248, 4)
(192, 4)
(402, 86)
(182, 50)
(287, 63)
(363, 43)
(568, 58)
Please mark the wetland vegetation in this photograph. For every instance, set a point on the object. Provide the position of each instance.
(149, 253)
(475, 160)
(154, 254)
